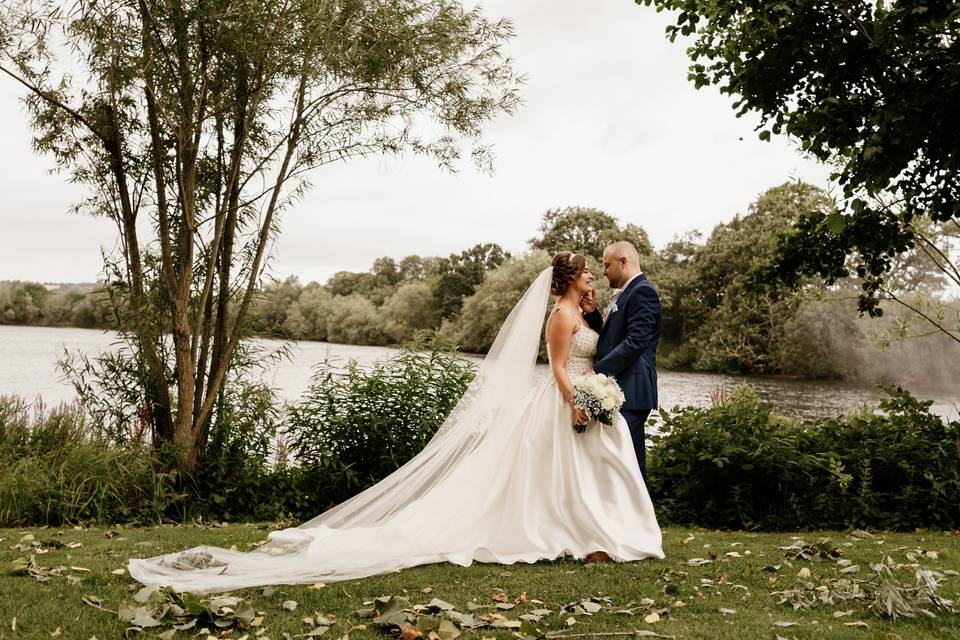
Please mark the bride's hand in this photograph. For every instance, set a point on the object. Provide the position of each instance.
(588, 303)
(581, 415)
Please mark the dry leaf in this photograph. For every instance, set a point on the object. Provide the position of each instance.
(315, 586)
(856, 623)
(653, 618)
(289, 605)
(804, 573)
(409, 632)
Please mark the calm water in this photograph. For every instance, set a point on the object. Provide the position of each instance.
(28, 357)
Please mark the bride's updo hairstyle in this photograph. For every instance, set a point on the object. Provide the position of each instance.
(567, 267)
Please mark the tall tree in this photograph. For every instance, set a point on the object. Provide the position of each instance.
(194, 123)
(586, 231)
(870, 87)
(459, 275)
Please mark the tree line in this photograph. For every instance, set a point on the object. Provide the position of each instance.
(716, 317)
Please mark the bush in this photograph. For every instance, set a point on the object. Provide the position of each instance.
(239, 469)
(733, 465)
(56, 469)
(356, 425)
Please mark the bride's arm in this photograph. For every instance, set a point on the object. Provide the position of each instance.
(559, 333)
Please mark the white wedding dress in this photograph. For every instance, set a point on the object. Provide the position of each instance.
(505, 479)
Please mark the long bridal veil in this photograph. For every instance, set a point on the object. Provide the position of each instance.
(413, 516)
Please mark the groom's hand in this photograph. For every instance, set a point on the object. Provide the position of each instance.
(588, 303)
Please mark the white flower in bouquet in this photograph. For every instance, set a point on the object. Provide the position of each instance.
(599, 396)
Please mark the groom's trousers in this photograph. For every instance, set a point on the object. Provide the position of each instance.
(636, 420)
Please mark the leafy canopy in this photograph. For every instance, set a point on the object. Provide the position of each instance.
(869, 87)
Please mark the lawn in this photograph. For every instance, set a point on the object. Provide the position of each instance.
(711, 585)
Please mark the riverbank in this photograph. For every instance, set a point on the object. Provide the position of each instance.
(719, 585)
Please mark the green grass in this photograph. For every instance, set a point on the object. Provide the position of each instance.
(738, 583)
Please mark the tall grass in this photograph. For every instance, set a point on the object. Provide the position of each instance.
(56, 468)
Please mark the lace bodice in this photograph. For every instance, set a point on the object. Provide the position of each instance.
(583, 347)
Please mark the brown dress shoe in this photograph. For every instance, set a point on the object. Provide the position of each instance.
(597, 556)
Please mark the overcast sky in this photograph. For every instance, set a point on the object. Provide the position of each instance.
(609, 121)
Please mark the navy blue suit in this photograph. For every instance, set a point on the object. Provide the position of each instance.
(627, 350)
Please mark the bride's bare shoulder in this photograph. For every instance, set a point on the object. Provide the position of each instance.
(562, 322)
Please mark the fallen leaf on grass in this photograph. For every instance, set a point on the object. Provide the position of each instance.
(726, 612)
(289, 605)
(698, 562)
(856, 623)
(785, 623)
(653, 618)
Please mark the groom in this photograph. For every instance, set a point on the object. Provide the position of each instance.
(629, 331)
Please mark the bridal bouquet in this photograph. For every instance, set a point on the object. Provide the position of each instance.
(599, 395)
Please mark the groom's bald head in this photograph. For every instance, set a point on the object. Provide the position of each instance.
(621, 261)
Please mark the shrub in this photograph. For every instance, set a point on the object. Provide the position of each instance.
(356, 425)
(240, 467)
(733, 465)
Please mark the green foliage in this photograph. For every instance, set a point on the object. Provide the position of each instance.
(31, 303)
(870, 87)
(306, 319)
(409, 311)
(272, 306)
(586, 231)
(353, 319)
(236, 474)
(356, 425)
(458, 276)
(484, 312)
(734, 465)
(56, 468)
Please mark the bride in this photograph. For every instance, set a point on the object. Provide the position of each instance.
(505, 479)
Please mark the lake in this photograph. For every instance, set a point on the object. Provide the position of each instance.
(28, 357)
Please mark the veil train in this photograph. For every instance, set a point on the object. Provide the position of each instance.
(426, 511)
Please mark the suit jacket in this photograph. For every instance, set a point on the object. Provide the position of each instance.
(627, 349)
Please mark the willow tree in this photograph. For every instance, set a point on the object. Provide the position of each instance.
(194, 123)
